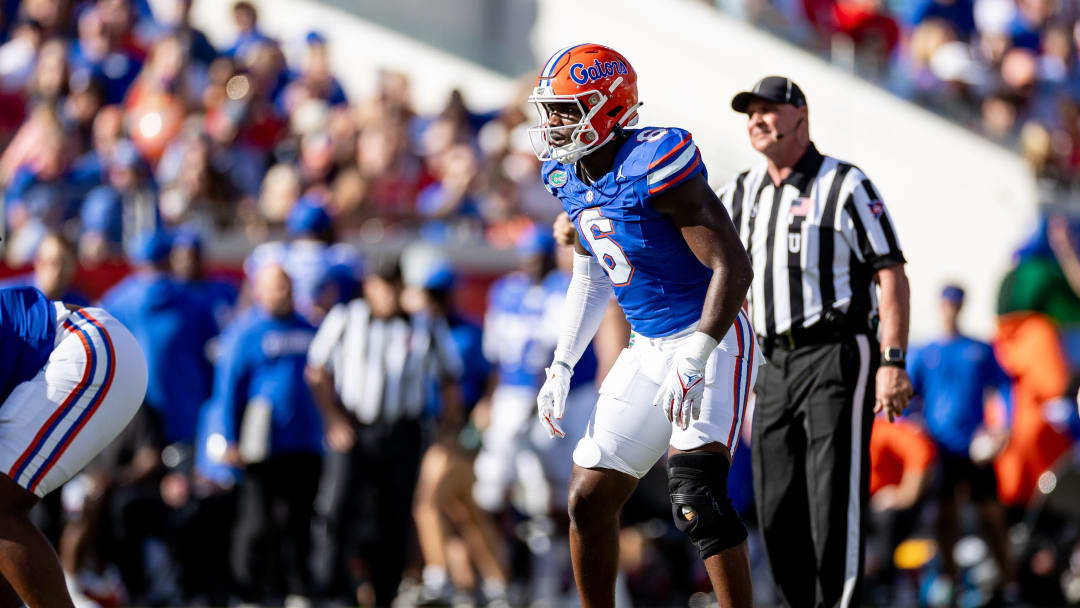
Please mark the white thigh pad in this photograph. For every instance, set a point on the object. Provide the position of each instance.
(626, 433)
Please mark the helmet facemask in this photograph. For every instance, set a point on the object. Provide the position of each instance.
(581, 137)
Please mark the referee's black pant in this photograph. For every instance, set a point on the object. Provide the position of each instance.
(810, 442)
(363, 512)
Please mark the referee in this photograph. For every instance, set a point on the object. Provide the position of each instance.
(370, 366)
(828, 276)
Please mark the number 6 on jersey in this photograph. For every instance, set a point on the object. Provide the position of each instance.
(598, 230)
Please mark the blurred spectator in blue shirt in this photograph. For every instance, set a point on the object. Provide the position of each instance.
(188, 266)
(451, 199)
(315, 80)
(951, 377)
(274, 431)
(40, 188)
(960, 14)
(101, 54)
(175, 17)
(173, 328)
(248, 34)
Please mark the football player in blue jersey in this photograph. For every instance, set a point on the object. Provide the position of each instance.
(70, 380)
(520, 328)
(651, 229)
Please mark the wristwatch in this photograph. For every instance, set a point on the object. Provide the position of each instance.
(892, 357)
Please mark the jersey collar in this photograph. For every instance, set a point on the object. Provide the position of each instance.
(805, 171)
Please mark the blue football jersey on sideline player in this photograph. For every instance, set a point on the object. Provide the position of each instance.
(512, 340)
(658, 280)
(521, 329)
(27, 334)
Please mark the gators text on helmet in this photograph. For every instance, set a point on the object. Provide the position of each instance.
(603, 86)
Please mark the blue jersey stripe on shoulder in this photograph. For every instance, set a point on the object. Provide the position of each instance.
(679, 174)
(686, 157)
(667, 156)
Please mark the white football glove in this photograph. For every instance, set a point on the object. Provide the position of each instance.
(551, 402)
(681, 393)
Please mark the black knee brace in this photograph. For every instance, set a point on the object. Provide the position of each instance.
(697, 484)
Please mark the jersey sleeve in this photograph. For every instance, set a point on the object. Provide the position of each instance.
(328, 337)
(673, 159)
(868, 226)
(232, 377)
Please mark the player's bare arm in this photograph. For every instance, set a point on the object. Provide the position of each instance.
(893, 385)
(694, 208)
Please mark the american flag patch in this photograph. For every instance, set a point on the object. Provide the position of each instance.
(876, 208)
(801, 207)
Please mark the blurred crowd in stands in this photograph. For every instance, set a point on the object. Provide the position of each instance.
(1006, 68)
(116, 120)
(264, 468)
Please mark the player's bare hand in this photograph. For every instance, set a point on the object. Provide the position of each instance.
(551, 401)
(893, 391)
(682, 391)
(340, 435)
(563, 230)
(232, 456)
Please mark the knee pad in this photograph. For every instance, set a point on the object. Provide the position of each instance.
(697, 484)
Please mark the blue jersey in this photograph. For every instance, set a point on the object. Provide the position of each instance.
(27, 334)
(173, 327)
(219, 296)
(263, 357)
(521, 329)
(950, 378)
(658, 280)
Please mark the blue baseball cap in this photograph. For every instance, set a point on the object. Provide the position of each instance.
(102, 212)
(151, 247)
(307, 217)
(187, 237)
(536, 241)
(439, 277)
(953, 293)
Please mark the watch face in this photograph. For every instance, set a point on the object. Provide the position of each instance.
(893, 354)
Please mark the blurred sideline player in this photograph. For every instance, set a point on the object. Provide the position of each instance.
(70, 380)
(520, 330)
(661, 238)
(173, 328)
(323, 272)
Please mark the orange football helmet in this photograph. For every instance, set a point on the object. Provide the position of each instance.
(602, 85)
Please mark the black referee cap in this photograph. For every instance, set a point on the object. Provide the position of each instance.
(776, 89)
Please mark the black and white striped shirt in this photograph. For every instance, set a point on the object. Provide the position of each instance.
(815, 241)
(381, 367)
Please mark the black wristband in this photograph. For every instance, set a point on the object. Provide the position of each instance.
(894, 363)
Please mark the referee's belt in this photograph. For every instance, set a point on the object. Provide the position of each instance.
(818, 333)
